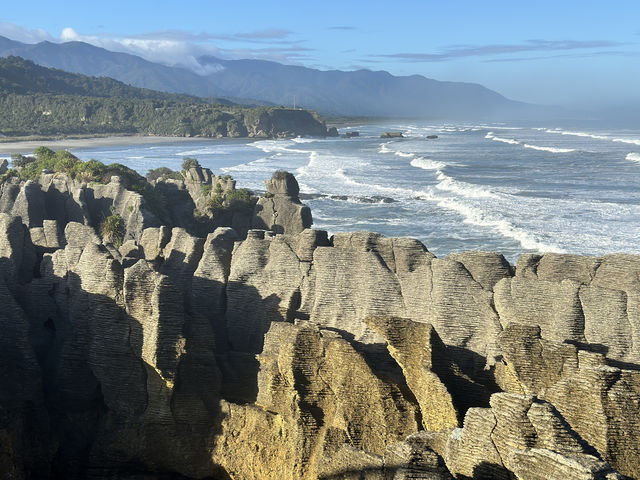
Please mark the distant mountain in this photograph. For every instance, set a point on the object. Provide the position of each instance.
(361, 92)
(24, 77)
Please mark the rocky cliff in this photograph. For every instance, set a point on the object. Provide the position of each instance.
(297, 355)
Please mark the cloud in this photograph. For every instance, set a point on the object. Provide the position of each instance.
(182, 48)
(605, 53)
(22, 34)
(269, 33)
(453, 52)
(288, 55)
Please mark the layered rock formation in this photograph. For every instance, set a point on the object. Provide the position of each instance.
(196, 202)
(298, 356)
(280, 210)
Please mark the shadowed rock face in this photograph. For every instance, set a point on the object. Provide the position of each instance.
(301, 356)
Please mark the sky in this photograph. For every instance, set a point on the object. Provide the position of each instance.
(568, 53)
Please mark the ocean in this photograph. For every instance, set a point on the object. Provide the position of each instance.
(503, 188)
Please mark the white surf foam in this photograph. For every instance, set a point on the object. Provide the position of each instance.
(305, 140)
(479, 217)
(463, 189)
(634, 157)
(631, 141)
(491, 136)
(577, 134)
(273, 146)
(384, 148)
(405, 154)
(427, 163)
(203, 151)
(548, 149)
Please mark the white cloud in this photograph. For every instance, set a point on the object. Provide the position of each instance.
(69, 35)
(22, 34)
(180, 48)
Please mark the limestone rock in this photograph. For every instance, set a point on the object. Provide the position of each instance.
(522, 435)
(427, 368)
(329, 396)
(486, 268)
(298, 356)
(29, 204)
(413, 458)
(153, 241)
(263, 287)
(600, 402)
(282, 211)
(4, 166)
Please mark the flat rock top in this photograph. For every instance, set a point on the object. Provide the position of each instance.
(283, 183)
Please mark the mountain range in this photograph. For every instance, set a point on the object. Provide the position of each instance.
(334, 92)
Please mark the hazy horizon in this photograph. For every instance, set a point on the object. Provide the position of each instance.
(574, 55)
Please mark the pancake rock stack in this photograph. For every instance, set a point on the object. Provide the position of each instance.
(283, 353)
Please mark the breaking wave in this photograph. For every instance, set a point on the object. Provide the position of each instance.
(549, 149)
(491, 136)
(427, 164)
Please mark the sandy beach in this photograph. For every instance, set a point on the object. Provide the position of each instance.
(28, 146)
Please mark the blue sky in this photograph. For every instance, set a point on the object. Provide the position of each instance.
(571, 53)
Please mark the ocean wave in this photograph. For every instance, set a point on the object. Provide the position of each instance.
(274, 146)
(405, 193)
(404, 154)
(203, 151)
(548, 149)
(463, 189)
(631, 141)
(634, 157)
(577, 134)
(496, 127)
(384, 149)
(427, 164)
(476, 216)
(491, 136)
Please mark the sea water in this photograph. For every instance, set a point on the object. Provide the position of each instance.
(500, 188)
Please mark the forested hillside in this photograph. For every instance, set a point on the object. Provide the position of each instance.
(35, 100)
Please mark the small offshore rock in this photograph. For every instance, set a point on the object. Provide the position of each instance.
(392, 135)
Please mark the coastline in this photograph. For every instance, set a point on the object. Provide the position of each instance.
(27, 146)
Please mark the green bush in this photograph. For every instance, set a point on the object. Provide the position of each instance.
(239, 195)
(206, 190)
(189, 162)
(161, 172)
(215, 203)
(47, 159)
(112, 230)
(21, 161)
